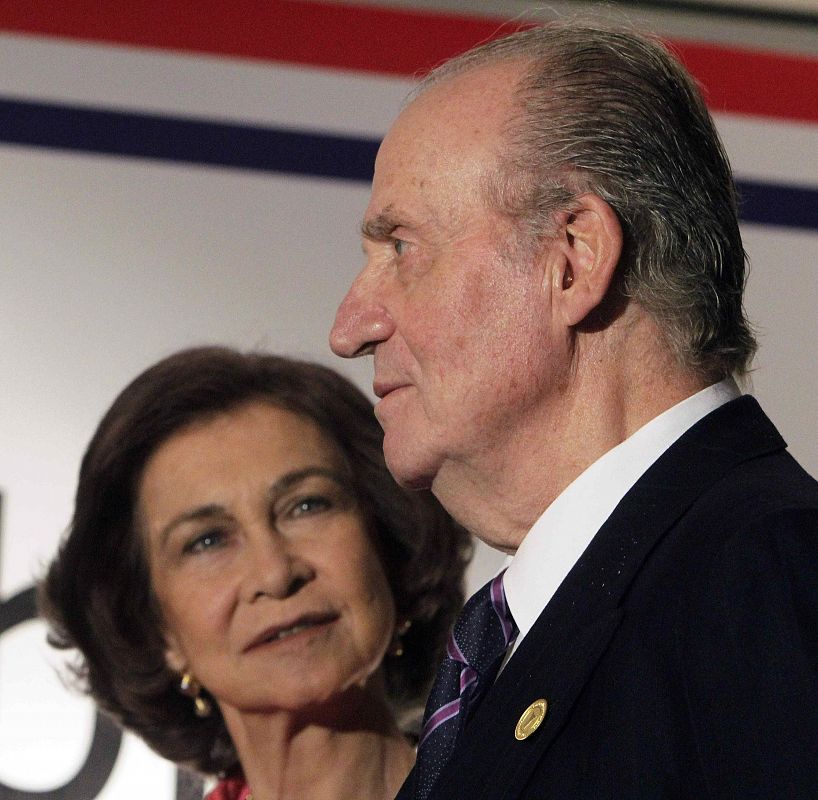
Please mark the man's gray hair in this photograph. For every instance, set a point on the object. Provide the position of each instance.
(612, 112)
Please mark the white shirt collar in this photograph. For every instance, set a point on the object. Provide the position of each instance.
(559, 537)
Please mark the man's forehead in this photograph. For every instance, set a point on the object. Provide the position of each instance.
(467, 105)
(431, 167)
(486, 86)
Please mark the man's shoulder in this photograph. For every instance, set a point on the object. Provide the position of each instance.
(774, 482)
(758, 521)
(765, 481)
(740, 462)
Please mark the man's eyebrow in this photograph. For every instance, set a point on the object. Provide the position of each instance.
(379, 227)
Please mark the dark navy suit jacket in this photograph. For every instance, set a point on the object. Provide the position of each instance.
(679, 658)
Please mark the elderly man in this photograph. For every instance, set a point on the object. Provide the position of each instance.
(553, 297)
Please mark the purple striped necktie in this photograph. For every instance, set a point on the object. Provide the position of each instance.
(482, 634)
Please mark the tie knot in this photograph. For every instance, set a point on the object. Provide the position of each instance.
(484, 629)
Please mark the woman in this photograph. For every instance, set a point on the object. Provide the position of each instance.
(249, 590)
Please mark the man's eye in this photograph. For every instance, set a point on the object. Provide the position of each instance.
(399, 245)
(204, 541)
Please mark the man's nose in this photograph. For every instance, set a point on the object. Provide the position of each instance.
(361, 322)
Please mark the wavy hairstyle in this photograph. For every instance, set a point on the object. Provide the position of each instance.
(97, 595)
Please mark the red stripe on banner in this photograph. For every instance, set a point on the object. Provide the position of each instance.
(754, 82)
(383, 40)
(341, 35)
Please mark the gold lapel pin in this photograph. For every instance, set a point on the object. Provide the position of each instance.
(531, 719)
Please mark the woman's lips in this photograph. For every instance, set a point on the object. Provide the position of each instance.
(278, 633)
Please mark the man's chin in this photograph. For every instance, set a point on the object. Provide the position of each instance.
(407, 466)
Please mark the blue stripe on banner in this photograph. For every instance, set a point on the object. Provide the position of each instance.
(264, 149)
(186, 140)
(773, 204)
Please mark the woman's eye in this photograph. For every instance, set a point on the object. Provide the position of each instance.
(204, 541)
(309, 505)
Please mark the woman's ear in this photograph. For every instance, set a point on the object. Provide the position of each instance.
(585, 252)
(174, 657)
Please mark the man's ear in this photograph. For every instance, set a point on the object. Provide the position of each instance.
(585, 251)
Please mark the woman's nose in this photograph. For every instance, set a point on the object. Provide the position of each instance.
(273, 569)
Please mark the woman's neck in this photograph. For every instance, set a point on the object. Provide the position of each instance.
(346, 754)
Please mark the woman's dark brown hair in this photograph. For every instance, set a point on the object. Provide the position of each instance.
(97, 595)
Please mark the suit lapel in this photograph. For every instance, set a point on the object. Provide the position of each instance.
(559, 654)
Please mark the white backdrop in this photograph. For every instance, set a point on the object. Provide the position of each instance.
(110, 263)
